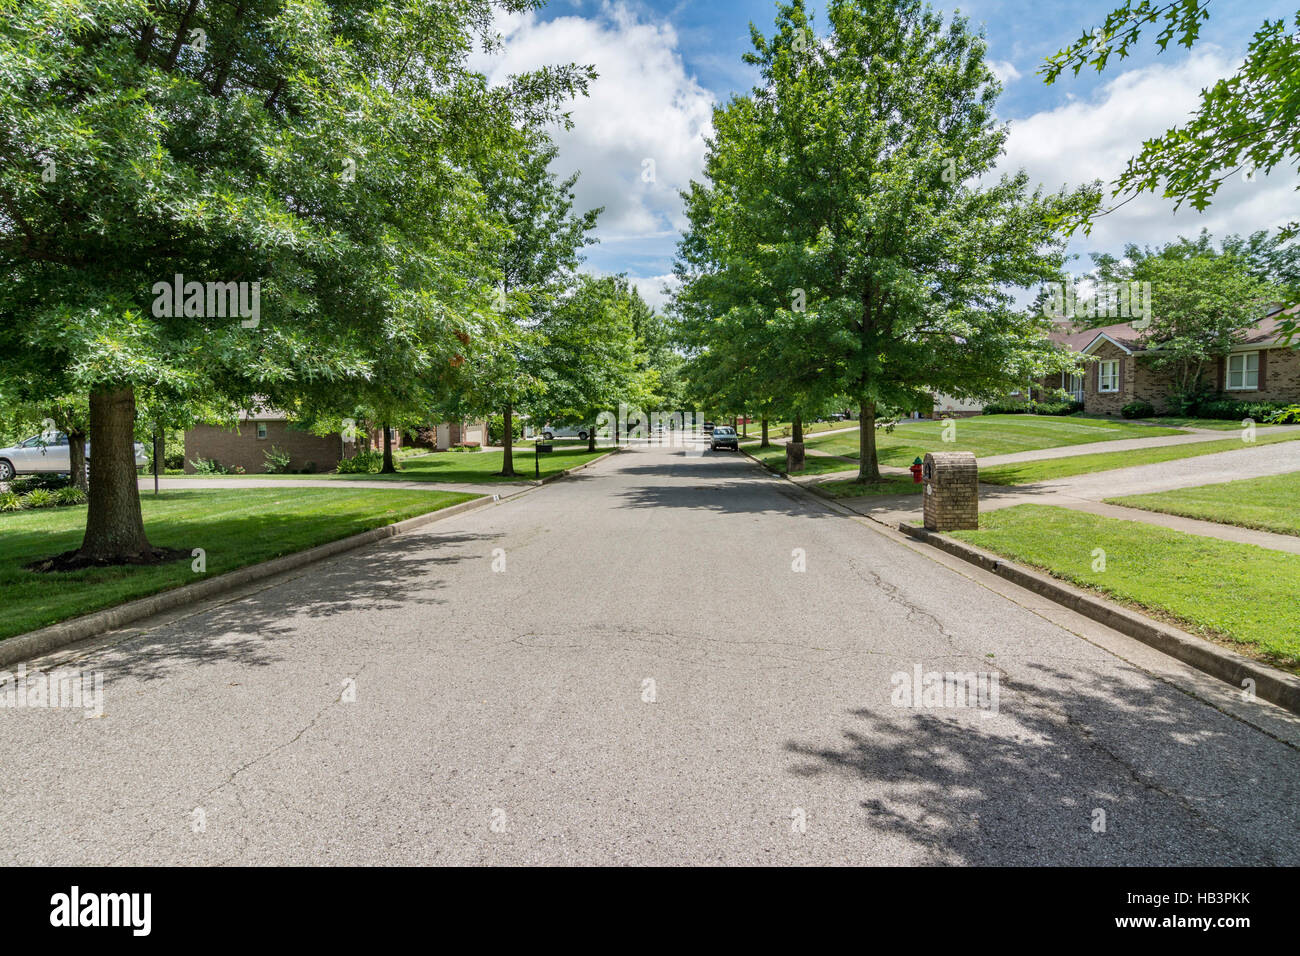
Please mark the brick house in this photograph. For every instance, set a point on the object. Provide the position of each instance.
(263, 428)
(447, 434)
(1114, 373)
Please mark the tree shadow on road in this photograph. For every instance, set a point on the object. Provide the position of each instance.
(400, 572)
(1179, 782)
(701, 490)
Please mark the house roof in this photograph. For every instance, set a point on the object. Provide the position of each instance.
(262, 414)
(1078, 337)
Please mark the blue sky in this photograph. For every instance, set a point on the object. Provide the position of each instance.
(664, 65)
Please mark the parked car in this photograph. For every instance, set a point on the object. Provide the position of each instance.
(724, 436)
(708, 428)
(550, 432)
(41, 456)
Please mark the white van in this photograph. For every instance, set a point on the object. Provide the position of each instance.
(558, 431)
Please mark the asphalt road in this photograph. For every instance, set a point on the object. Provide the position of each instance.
(648, 680)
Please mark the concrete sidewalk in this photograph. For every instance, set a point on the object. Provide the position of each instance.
(1198, 436)
(1086, 493)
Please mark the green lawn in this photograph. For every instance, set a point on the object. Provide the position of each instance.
(234, 528)
(1235, 593)
(481, 466)
(774, 458)
(471, 467)
(783, 429)
(1029, 472)
(888, 485)
(987, 435)
(1268, 504)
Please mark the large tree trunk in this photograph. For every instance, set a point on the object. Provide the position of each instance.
(765, 443)
(77, 459)
(508, 443)
(389, 468)
(114, 526)
(796, 433)
(591, 438)
(868, 464)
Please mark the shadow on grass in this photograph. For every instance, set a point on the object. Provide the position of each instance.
(180, 521)
(1180, 782)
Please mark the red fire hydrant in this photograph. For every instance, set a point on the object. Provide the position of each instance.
(916, 471)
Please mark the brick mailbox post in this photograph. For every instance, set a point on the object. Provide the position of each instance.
(951, 491)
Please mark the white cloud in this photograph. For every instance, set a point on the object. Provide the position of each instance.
(652, 289)
(642, 107)
(1085, 140)
(1004, 70)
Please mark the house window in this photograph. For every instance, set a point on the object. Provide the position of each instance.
(1108, 376)
(261, 429)
(1243, 371)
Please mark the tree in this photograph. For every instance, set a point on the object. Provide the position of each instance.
(1201, 300)
(840, 198)
(289, 175)
(589, 357)
(1247, 122)
(538, 248)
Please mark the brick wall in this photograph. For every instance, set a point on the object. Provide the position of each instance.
(1281, 381)
(1279, 375)
(231, 448)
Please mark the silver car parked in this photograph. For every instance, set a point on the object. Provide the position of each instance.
(48, 455)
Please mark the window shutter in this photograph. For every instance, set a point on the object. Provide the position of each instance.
(1263, 367)
(1223, 373)
(1119, 376)
(1096, 376)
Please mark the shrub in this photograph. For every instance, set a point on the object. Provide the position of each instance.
(1227, 409)
(40, 498)
(277, 461)
(208, 466)
(70, 495)
(32, 482)
(1286, 416)
(497, 429)
(1185, 402)
(362, 463)
(1138, 409)
(1033, 408)
(173, 451)
(466, 446)
(11, 501)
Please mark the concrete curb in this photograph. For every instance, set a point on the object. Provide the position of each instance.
(35, 643)
(568, 471)
(1273, 685)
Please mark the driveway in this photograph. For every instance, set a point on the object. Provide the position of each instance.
(647, 678)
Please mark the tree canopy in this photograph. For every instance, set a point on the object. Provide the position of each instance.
(842, 206)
